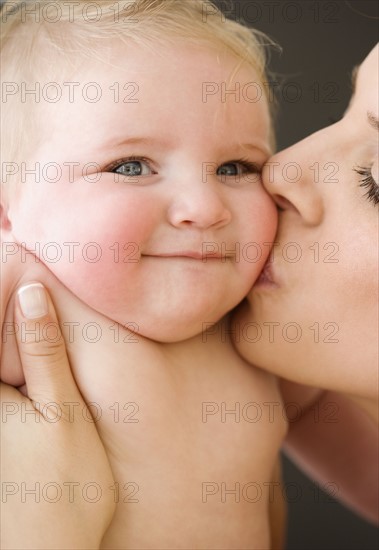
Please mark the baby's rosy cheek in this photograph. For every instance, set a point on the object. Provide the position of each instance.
(263, 225)
(98, 277)
(109, 237)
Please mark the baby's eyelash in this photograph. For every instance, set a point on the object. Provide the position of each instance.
(368, 182)
(252, 167)
(116, 164)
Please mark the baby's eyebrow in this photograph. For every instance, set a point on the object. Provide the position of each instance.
(162, 143)
(137, 140)
(118, 142)
(254, 146)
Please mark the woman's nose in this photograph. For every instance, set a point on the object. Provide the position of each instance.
(199, 204)
(292, 179)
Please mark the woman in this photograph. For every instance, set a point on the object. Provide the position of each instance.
(309, 211)
(313, 315)
(324, 265)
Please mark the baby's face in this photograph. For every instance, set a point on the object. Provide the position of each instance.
(155, 221)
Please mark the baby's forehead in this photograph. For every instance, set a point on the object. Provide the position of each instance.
(132, 91)
(125, 59)
(130, 74)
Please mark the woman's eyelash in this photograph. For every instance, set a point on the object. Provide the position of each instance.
(368, 182)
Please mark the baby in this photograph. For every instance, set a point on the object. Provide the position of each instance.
(131, 188)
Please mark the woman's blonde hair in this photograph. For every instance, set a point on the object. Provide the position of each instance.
(40, 39)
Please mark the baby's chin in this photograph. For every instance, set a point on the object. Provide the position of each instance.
(167, 330)
(159, 311)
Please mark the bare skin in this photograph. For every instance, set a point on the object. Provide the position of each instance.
(159, 394)
(170, 465)
(45, 502)
(334, 294)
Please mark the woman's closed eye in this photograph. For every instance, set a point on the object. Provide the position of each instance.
(368, 182)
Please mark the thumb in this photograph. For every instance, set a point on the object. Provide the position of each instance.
(42, 349)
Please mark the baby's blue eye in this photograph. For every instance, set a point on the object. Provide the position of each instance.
(230, 169)
(237, 168)
(133, 168)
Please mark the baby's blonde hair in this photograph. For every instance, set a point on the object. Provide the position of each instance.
(39, 37)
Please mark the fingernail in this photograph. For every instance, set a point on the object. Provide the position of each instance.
(32, 299)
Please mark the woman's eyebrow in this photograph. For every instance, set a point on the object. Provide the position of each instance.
(373, 121)
(371, 118)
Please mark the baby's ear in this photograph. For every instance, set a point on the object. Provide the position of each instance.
(5, 223)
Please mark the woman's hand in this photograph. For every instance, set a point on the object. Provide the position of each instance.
(55, 474)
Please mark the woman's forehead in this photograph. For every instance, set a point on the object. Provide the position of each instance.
(367, 73)
(365, 84)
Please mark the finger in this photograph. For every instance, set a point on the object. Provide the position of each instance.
(42, 349)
